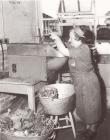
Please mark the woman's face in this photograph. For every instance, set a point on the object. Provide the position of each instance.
(73, 40)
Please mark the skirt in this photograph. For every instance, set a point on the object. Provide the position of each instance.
(88, 98)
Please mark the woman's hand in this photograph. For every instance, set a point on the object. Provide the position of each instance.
(54, 35)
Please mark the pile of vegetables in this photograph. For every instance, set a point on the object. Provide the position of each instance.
(49, 92)
(26, 123)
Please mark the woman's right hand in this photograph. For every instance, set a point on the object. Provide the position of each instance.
(54, 35)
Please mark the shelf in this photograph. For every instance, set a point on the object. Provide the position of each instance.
(103, 41)
(104, 58)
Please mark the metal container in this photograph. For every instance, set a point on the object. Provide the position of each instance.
(64, 103)
(35, 61)
(4, 136)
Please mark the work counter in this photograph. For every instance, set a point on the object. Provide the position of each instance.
(21, 56)
(104, 70)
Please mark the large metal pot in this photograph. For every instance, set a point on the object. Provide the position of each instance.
(55, 59)
(4, 136)
(64, 103)
(56, 63)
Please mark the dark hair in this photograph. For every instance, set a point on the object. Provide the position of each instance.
(89, 37)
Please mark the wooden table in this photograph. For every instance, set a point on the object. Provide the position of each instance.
(19, 86)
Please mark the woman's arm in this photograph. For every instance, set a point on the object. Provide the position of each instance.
(60, 45)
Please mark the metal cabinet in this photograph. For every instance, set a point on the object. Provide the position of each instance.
(20, 21)
(104, 69)
(1, 22)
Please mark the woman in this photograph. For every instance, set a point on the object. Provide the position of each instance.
(85, 81)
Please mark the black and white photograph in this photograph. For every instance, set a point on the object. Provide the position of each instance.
(54, 70)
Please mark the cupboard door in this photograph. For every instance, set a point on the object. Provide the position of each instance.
(21, 21)
(1, 22)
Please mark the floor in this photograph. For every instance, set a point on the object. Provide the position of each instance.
(103, 131)
(66, 134)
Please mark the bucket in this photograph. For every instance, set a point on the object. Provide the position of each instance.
(18, 127)
(64, 103)
(4, 136)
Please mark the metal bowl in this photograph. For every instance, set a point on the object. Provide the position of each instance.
(4, 136)
(64, 103)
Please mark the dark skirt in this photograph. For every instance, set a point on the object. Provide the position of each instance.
(88, 98)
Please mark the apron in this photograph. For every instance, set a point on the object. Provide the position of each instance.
(86, 83)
